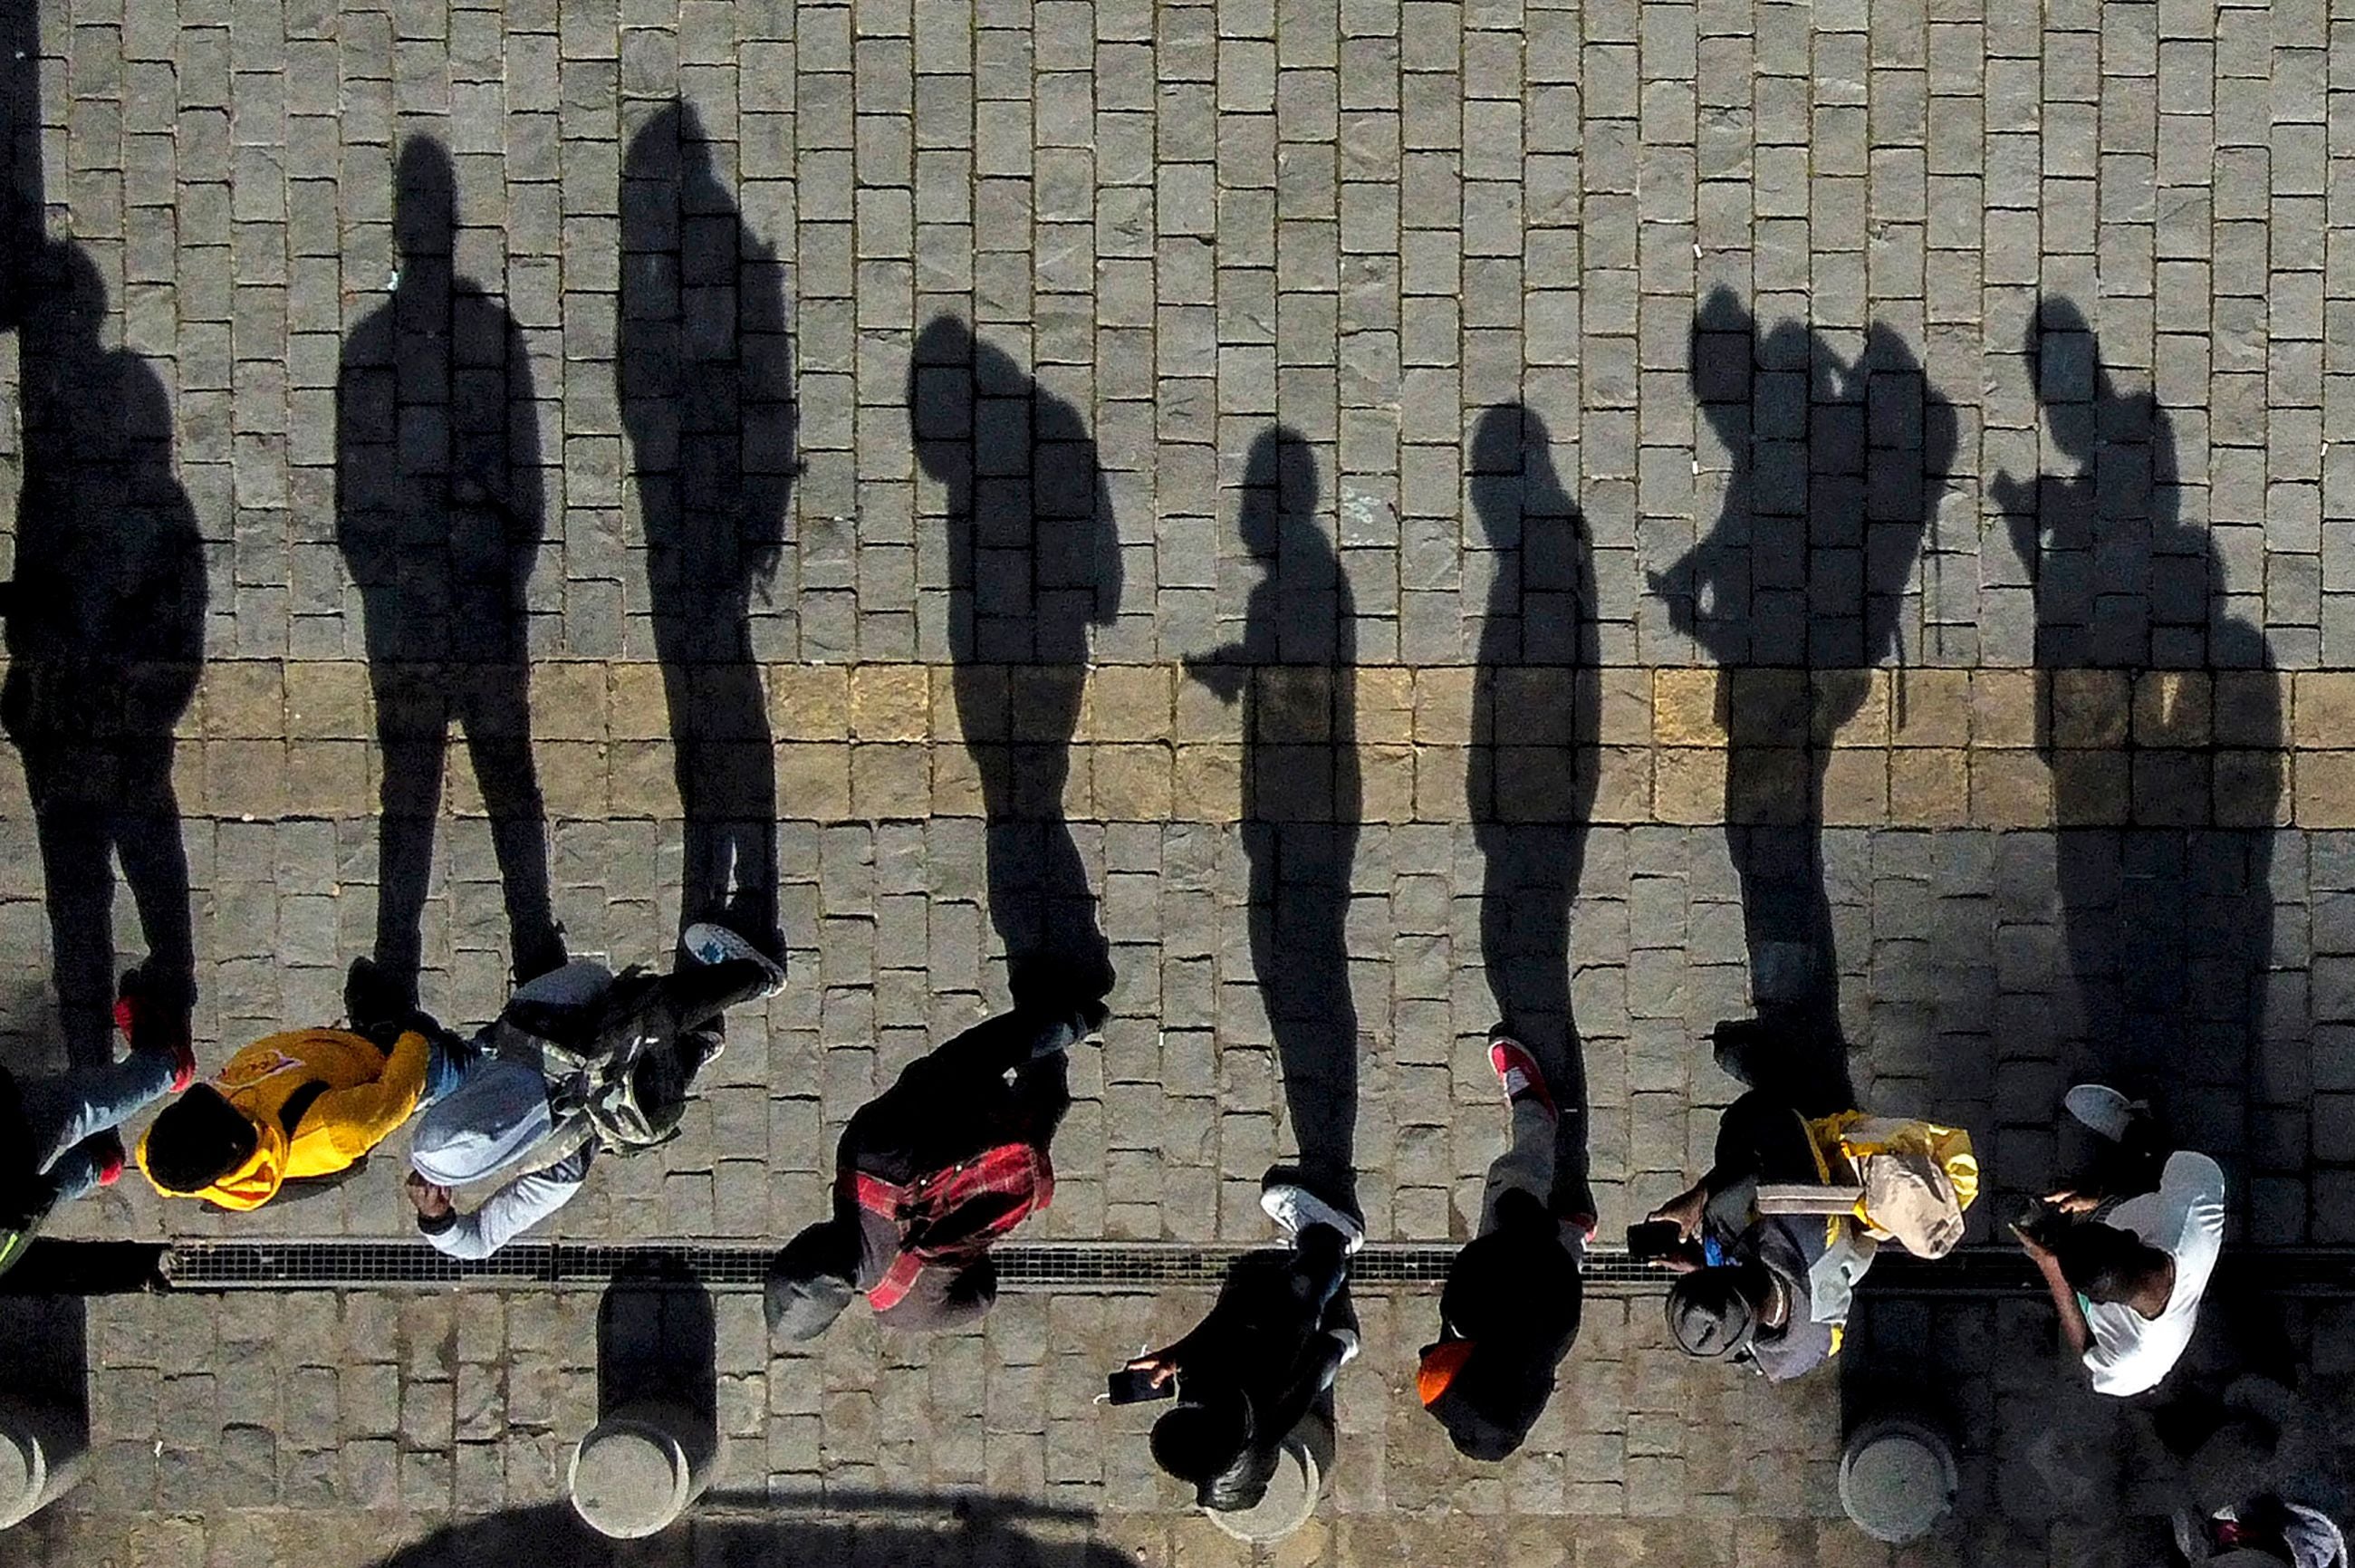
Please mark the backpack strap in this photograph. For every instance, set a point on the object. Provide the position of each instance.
(897, 1281)
(993, 1170)
(290, 1114)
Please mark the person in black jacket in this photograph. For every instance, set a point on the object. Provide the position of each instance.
(1252, 1370)
(933, 1169)
(1509, 1312)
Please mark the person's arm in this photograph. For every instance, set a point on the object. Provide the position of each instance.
(1202, 1341)
(1222, 670)
(505, 1214)
(1172, 1359)
(2075, 1332)
(1685, 1209)
(997, 1046)
(364, 1115)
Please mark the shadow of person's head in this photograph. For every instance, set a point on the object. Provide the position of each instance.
(1724, 350)
(1513, 482)
(1280, 492)
(1499, 448)
(60, 292)
(668, 169)
(2064, 362)
(424, 199)
(941, 398)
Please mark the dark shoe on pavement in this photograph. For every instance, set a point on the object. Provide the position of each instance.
(1741, 1047)
(372, 997)
(1073, 987)
(544, 955)
(149, 1022)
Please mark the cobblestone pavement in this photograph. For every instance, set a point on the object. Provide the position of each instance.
(1930, 419)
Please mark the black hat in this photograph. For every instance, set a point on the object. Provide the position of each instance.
(810, 1281)
(196, 1139)
(1711, 1317)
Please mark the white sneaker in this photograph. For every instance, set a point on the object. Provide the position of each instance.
(712, 942)
(1294, 1209)
(2102, 1110)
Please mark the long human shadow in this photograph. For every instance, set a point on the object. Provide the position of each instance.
(1295, 670)
(2163, 728)
(21, 192)
(105, 637)
(1034, 562)
(1530, 782)
(440, 514)
(706, 382)
(1795, 593)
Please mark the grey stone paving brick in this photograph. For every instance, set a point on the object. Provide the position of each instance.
(1361, 217)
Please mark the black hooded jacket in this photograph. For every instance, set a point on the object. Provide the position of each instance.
(1515, 1295)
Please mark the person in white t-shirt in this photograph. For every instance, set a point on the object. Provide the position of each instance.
(2127, 1275)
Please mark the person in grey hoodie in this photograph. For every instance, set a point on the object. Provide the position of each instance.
(503, 1121)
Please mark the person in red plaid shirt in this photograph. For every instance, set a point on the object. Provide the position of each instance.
(933, 1170)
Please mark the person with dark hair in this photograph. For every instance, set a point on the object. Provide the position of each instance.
(1767, 1289)
(2127, 1267)
(302, 1103)
(1262, 1358)
(931, 1172)
(1510, 1310)
(517, 1114)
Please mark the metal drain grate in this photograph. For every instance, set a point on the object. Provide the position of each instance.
(1108, 1268)
(1101, 1267)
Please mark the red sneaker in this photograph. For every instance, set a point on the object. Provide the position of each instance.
(109, 1165)
(183, 1062)
(146, 1026)
(1519, 1072)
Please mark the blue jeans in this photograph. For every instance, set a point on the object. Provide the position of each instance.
(71, 1120)
(447, 1059)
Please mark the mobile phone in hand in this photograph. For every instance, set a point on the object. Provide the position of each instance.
(1653, 1240)
(1133, 1386)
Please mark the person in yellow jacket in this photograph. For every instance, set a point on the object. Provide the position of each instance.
(304, 1102)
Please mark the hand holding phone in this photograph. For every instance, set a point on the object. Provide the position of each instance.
(1653, 1240)
(1137, 1385)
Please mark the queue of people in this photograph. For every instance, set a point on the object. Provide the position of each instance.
(1764, 1250)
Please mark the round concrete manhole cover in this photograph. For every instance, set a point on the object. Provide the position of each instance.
(1897, 1480)
(23, 1474)
(1290, 1502)
(629, 1480)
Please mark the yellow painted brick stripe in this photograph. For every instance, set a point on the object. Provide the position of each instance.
(1927, 748)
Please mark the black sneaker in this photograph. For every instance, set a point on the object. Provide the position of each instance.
(1743, 1048)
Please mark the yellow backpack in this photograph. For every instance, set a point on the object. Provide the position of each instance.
(1912, 1178)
